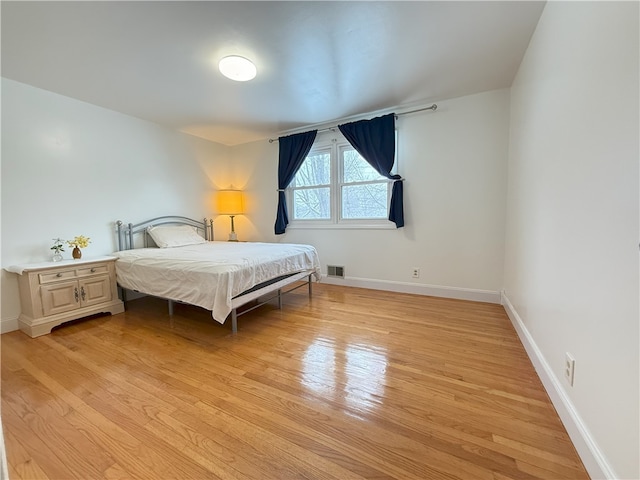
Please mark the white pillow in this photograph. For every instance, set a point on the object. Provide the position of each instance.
(175, 236)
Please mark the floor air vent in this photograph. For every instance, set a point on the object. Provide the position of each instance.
(335, 271)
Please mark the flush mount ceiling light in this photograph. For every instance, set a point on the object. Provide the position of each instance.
(237, 68)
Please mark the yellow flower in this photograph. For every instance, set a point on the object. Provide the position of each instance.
(80, 241)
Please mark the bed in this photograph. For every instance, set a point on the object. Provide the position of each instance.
(177, 259)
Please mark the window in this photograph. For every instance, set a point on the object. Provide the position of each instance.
(312, 187)
(364, 192)
(336, 186)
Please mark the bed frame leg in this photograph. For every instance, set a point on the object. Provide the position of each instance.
(310, 286)
(234, 321)
(279, 299)
(170, 313)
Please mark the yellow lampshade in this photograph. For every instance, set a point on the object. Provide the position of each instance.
(230, 202)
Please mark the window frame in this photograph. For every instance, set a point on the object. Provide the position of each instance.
(336, 146)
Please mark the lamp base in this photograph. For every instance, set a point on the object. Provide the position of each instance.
(232, 235)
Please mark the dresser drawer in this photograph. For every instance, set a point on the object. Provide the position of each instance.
(92, 270)
(48, 277)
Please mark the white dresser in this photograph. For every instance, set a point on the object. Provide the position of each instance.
(54, 293)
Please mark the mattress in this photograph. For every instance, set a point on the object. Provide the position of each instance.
(211, 274)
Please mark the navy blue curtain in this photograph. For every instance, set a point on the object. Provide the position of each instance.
(293, 150)
(375, 140)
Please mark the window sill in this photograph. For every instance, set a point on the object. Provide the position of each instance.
(342, 226)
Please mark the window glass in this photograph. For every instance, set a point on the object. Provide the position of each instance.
(315, 170)
(364, 201)
(312, 203)
(357, 169)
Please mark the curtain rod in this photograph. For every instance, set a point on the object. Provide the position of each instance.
(433, 107)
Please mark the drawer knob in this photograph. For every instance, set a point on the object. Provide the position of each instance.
(93, 270)
(58, 274)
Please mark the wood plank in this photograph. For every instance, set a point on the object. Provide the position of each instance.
(20, 463)
(34, 454)
(351, 384)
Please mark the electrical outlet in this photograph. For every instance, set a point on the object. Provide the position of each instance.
(415, 273)
(569, 368)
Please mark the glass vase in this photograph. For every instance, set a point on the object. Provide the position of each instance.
(57, 256)
(77, 253)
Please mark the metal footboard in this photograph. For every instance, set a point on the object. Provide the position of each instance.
(235, 314)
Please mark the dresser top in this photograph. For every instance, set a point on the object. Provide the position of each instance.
(26, 267)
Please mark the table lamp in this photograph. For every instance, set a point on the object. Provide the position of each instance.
(230, 203)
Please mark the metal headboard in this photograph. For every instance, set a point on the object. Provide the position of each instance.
(126, 232)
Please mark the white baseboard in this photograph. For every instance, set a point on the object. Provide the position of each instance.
(8, 325)
(592, 457)
(487, 296)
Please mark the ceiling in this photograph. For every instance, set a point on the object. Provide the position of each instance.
(317, 61)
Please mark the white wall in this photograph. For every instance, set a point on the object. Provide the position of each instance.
(571, 273)
(254, 170)
(454, 161)
(70, 168)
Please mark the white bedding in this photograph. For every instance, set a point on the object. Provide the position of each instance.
(211, 274)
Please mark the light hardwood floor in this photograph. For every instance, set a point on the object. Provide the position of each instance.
(352, 384)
